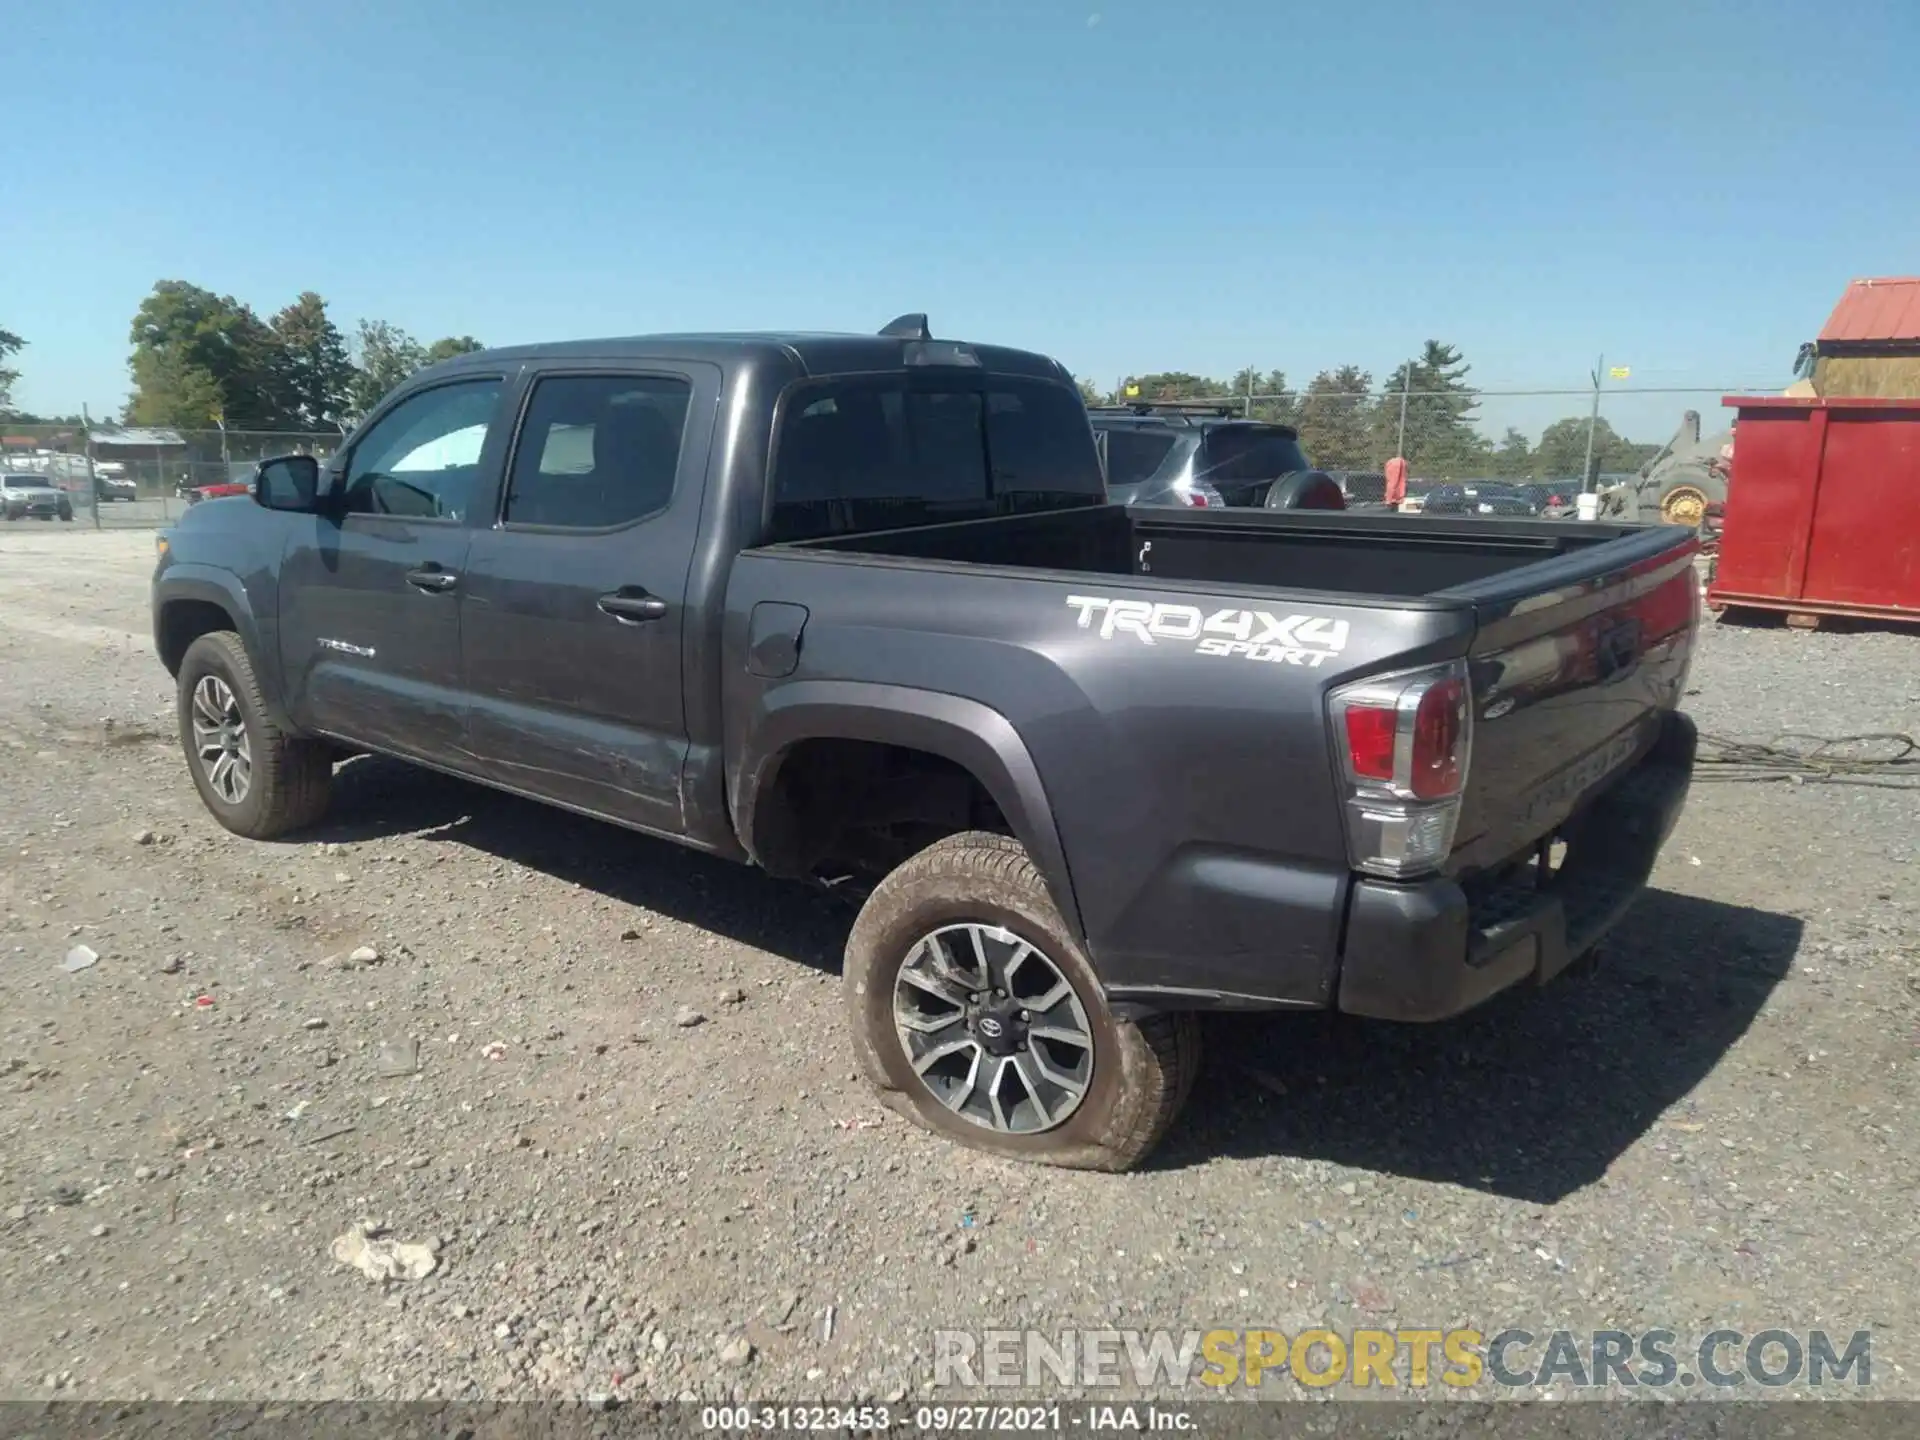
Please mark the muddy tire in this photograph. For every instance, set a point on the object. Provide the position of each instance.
(255, 779)
(958, 940)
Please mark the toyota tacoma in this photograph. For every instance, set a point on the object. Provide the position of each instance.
(858, 607)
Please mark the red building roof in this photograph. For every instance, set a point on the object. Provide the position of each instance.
(1876, 311)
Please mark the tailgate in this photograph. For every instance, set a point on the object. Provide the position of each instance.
(1572, 662)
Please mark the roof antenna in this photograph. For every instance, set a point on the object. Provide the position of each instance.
(907, 327)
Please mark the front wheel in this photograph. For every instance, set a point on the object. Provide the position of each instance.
(255, 779)
(1682, 497)
(976, 1014)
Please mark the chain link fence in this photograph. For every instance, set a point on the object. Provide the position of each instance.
(144, 477)
(1565, 438)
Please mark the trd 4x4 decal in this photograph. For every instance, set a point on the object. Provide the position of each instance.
(1250, 634)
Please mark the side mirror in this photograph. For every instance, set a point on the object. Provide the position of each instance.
(288, 482)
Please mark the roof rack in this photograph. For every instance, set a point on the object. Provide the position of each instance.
(1227, 408)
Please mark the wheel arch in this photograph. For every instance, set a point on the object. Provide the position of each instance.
(964, 733)
(199, 602)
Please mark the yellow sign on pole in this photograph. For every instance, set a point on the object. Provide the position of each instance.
(1132, 390)
(1618, 372)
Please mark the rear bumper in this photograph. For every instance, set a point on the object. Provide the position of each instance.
(1430, 950)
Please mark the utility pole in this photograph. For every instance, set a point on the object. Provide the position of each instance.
(1248, 412)
(86, 449)
(1593, 423)
(1406, 384)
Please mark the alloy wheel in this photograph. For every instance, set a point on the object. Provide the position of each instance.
(220, 743)
(993, 1028)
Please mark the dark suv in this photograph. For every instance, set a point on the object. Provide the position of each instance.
(1201, 456)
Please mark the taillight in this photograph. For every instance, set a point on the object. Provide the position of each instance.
(1370, 736)
(1407, 737)
(1439, 740)
(1198, 493)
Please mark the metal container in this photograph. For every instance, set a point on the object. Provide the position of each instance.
(1823, 510)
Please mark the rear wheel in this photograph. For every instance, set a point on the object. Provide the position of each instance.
(977, 1015)
(257, 780)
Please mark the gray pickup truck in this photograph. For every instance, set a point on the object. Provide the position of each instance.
(857, 606)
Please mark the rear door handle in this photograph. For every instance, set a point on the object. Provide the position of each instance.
(631, 605)
(432, 579)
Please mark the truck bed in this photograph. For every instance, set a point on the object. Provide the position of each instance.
(1366, 557)
(1577, 636)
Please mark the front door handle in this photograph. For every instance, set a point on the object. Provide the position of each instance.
(432, 579)
(631, 605)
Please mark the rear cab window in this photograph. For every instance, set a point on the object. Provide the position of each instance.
(863, 453)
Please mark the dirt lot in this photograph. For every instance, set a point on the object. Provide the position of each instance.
(1717, 1129)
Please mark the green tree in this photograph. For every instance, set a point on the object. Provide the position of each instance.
(1513, 460)
(1562, 450)
(315, 375)
(10, 346)
(1170, 385)
(387, 355)
(1273, 401)
(1334, 421)
(1441, 437)
(169, 389)
(201, 358)
(1088, 393)
(452, 345)
(1624, 456)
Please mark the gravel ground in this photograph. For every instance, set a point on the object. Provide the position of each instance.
(1715, 1129)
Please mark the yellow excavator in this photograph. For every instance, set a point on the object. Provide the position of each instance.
(1869, 347)
(1680, 483)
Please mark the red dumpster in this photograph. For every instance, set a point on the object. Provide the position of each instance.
(1823, 508)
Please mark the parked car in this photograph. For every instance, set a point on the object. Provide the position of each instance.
(27, 493)
(1361, 487)
(1478, 497)
(114, 487)
(1550, 500)
(857, 608)
(1198, 456)
(220, 490)
(1496, 497)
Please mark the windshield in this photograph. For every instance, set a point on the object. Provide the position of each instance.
(1249, 452)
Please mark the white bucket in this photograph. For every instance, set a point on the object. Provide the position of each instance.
(1586, 505)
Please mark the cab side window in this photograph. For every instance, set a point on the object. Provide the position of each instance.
(597, 451)
(421, 460)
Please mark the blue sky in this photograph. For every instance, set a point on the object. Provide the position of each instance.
(1685, 187)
